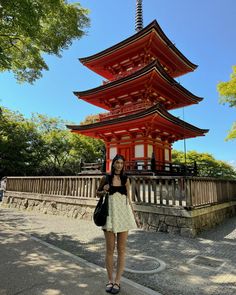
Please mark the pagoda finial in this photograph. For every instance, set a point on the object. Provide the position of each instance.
(139, 15)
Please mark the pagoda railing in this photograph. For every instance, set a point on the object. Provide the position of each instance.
(158, 167)
(158, 190)
(130, 70)
(124, 110)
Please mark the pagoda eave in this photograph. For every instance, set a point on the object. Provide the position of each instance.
(154, 120)
(135, 44)
(140, 82)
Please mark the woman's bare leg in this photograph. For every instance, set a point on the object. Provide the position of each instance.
(110, 247)
(121, 249)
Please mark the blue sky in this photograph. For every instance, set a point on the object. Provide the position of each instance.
(203, 30)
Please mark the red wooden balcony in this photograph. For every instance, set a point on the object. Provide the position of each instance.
(125, 110)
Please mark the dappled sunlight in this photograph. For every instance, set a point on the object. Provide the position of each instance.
(195, 263)
(206, 242)
(190, 251)
(224, 278)
(11, 239)
(184, 268)
(93, 248)
(83, 285)
(196, 280)
(51, 292)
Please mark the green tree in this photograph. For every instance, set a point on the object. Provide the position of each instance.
(21, 147)
(65, 150)
(90, 119)
(207, 165)
(227, 91)
(31, 28)
(42, 146)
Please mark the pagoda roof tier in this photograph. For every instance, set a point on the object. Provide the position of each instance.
(155, 122)
(148, 44)
(151, 84)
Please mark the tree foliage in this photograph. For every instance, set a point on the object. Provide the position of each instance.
(42, 146)
(207, 165)
(21, 147)
(90, 119)
(227, 91)
(30, 28)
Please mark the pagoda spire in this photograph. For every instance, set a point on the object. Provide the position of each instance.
(139, 15)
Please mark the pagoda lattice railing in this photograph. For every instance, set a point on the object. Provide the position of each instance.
(158, 190)
(130, 70)
(125, 110)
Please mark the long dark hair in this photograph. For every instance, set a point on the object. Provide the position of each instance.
(123, 177)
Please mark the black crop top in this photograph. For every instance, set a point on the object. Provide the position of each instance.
(121, 188)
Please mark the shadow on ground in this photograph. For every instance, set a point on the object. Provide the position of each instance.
(182, 276)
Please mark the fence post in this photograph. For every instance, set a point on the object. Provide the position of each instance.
(188, 192)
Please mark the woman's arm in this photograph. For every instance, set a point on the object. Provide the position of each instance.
(103, 187)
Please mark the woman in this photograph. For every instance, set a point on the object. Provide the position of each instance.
(119, 221)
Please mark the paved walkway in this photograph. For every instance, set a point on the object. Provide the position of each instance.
(31, 262)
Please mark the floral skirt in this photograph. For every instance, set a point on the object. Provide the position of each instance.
(121, 217)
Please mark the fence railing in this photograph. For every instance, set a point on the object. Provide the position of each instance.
(182, 191)
(160, 190)
(75, 186)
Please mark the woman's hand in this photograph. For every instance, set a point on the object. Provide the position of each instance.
(106, 187)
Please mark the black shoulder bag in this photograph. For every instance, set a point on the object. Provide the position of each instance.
(101, 211)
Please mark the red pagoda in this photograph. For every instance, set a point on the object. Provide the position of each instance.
(138, 92)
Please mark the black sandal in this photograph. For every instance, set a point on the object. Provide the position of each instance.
(109, 287)
(115, 290)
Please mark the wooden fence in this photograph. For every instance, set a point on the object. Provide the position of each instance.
(160, 190)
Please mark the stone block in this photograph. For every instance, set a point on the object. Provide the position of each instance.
(75, 214)
(25, 203)
(162, 227)
(171, 220)
(153, 228)
(184, 222)
(144, 217)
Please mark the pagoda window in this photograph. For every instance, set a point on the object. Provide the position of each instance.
(139, 151)
(150, 150)
(113, 152)
(167, 155)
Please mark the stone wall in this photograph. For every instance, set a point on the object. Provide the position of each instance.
(176, 220)
(81, 208)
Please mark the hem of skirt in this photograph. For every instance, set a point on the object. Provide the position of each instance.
(120, 231)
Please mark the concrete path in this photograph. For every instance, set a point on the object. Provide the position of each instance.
(201, 266)
(30, 266)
